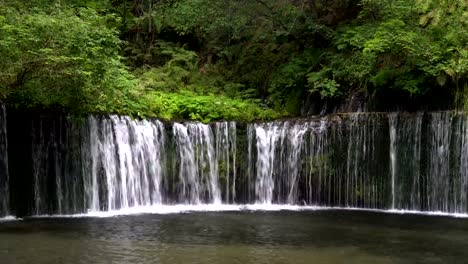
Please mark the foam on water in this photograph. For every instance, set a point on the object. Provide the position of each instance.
(9, 218)
(187, 208)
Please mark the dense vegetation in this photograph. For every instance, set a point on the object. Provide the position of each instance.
(228, 59)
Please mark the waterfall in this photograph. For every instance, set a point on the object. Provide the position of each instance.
(38, 153)
(226, 142)
(125, 163)
(398, 161)
(405, 156)
(461, 193)
(4, 178)
(318, 173)
(365, 180)
(296, 144)
(197, 164)
(392, 119)
(438, 180)
(446, 171)
(250, 162)
(280, 148)
(266, 136)
(189, 182)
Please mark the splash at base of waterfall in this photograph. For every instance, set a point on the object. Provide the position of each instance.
(204, 208)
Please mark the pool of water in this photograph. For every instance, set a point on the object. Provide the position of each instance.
(238, 237)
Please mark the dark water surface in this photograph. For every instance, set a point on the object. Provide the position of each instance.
(238, 237)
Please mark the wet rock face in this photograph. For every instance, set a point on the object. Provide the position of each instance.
(384, 100)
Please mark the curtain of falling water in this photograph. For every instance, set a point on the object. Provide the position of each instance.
(461, 193)
(197, 164)
(295, 145)
(188, 175)
(392, 120)
(123, 158)
(206, 163)
(405, 152)
(266, 137)
(250, 186)
(226, 142)
(4, 178)
(438, 181)
(446, 172)
(317, 166)
(365, 178)
(58, 185)
(40, 156)
(386, 161)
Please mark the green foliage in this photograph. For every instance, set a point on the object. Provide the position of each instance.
(214, 59)
(69, 58)
(291, 78)
(405, 45)
(181, 72)
(176, 73)
(204, 108)
(65, 58)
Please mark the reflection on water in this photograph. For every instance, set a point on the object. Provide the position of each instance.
(238, 237)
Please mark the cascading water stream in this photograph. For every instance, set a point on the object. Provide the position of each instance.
(189, 182)
(296, 136)
(266, 137)
(226, 142)
(462, 193)
(4, 177)
(125, 163)
(397, 161)
(197, 164)
(405, 156)
(250, 162)
(393, 125)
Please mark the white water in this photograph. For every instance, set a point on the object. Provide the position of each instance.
(125, 157)
(267, 136)
(181, 208)
(197, 164)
